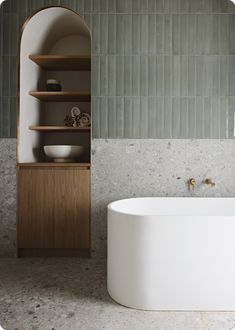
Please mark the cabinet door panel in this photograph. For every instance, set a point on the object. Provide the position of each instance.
(72, 208)
(36, 208)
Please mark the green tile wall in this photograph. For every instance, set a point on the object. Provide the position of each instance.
(161, 68)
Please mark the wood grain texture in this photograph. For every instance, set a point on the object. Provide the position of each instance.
(36, 193)
(47, 253)
(59, 129)
(63, 62)
(53, 208)
(68, 96)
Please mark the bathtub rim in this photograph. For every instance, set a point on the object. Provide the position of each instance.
(110, 207)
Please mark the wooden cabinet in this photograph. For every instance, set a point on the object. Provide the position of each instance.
(53, 211)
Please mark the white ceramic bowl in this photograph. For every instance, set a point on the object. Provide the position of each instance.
(63, 153)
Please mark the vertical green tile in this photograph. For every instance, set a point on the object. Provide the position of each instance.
(127, 117)
(216, 6)
(104, 34)
(144, 6)
(128, 34)
(73, 5)
(208, 76)
(144, 120)
(144, 34)
(224, 75)
(144, 75)
(5, 117)
(80, 6)
(215, 76)
(184, 83)
(112, 6)
(96, 37)
(224, 34)
(13, 76)
(124, 6)
(127, 76)
(152, 76)
(120, 117)
(184, 117)
(159, 6)
(136, 6)
(176, 76)
(95, 6)
(176, 34)
(152, 117)
(103, 75)
(207, 118)
(231, 115)
(136, 117)
(151, 34)
(232, 34)
(7, 33)
(112, 34)
(103, 117)
(160, 117)
(223, 117)
(152, 6)
(168, 35)
(232, 76)
(14, 34)
(136, 76)
(199, 76)
(167, 76)
(103, 6)
(192, 34)
(136, 34)
(199, 118)
(112, 117)
(215, 117)
(87, 6)
(95, 76)
(160, 75)
(6, 76)
(159, 34)
(184, 6)
(200, 39)
(168, 117)
(95, 117)
(175, 118)
(119, 75)
(112, 75)
(120, 34)
(13, 109)
(192, 76)
(192, 117)
(184, 38)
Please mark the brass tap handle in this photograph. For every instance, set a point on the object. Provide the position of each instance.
(210, 182)
(191, 183)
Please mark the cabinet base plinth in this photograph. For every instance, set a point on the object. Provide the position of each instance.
(53, 253)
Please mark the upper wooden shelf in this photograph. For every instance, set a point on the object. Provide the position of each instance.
(59, 129)
(63, 62)
(62, 96)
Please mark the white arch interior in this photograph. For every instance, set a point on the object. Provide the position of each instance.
(54, 31)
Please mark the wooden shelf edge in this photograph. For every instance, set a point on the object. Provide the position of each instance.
(50, 164)
(59, 129)
(63, 96)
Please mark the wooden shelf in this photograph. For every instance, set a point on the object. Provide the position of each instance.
(62, 96)
(59, 129)
(63, 62)
(50, 164)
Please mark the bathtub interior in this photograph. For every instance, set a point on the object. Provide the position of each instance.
(171, 206)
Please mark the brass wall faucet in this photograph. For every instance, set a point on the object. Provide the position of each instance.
(209, 182)
(191, 183)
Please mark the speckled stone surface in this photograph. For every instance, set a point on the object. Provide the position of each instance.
(7, 197)
(127, 168)
(70, 294)
(130, 168)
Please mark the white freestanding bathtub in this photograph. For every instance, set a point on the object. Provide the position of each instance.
(172, 253)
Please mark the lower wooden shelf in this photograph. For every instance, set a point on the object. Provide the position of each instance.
(59, 129)
(50, 164)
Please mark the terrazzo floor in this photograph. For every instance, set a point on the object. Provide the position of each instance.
(70, 294)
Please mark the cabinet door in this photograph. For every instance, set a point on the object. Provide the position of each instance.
(72, 208)
(36, 189)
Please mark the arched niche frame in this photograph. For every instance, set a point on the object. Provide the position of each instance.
(50, 31)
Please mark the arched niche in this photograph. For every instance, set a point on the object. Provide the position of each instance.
(51, 31)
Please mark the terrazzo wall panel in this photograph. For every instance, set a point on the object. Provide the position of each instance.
(161, 68)
(135, 168)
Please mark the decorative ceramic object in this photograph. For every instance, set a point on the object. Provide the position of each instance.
(53, 85)
(63, 153)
